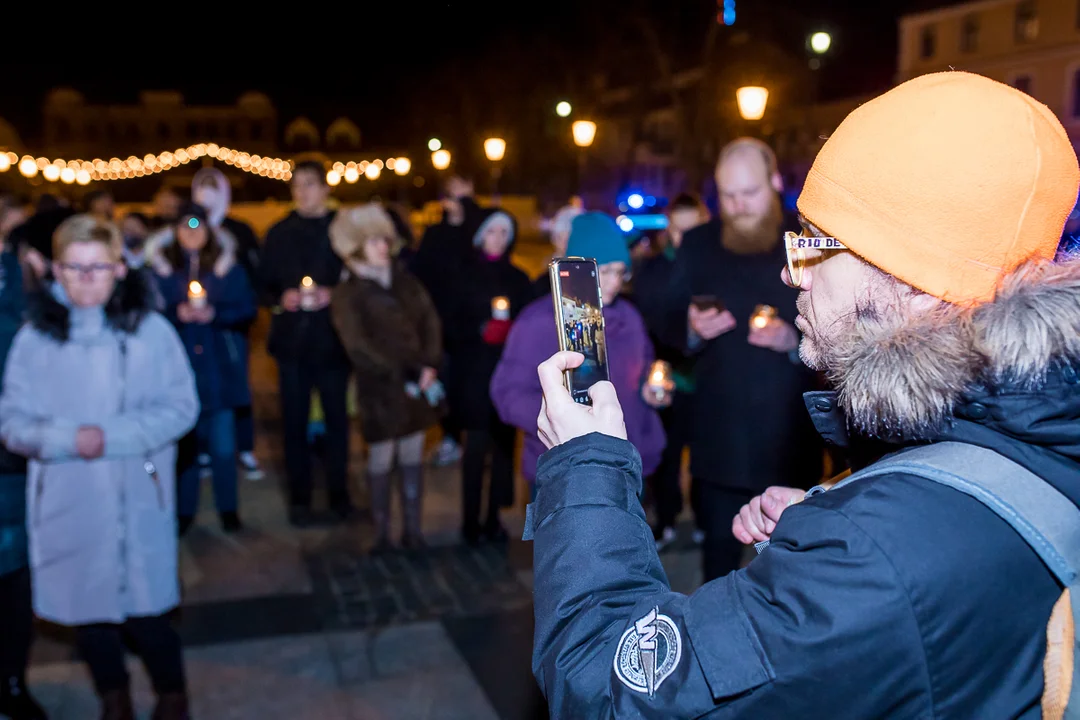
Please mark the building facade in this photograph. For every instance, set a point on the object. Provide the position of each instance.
(1033, 45)
(160, 121)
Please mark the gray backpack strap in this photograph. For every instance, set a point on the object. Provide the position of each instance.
(1047, 520)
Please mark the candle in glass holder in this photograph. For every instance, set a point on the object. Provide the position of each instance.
(763, 315)
(307, 294)
(500, 308)
(660, 383)
(196, 295)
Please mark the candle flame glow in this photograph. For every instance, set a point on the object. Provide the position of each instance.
(307, 282)
(195, 288)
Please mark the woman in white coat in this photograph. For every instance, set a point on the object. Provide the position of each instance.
(96, 392)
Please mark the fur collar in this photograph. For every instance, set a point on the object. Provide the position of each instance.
(124, 312)
(902, 377)
(163, 238)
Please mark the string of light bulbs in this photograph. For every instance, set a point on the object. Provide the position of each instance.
(83, 172)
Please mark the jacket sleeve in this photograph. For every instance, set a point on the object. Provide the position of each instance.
(270, 286)
(515, 386)
(671, 318)
(25, 431)
(651, 439)
(235, 304)
(362, 349)
(803, 631)
(431, 331)
(174, 410)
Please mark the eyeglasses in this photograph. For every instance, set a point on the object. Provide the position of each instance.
(801, 250)
(95, 271)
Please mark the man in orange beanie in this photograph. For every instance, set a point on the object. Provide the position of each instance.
(930, 297)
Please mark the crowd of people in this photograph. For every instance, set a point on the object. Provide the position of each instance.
(125, 345)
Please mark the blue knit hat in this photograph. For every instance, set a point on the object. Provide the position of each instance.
(595, 235)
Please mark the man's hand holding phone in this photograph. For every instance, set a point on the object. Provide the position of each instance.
(561, 419)
(711, 323)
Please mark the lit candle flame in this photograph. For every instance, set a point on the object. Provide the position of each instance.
(760, 321)
(307, 282)
(195, 288)
(502, 303)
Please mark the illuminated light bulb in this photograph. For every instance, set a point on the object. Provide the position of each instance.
(67, 176)
(351, 175)
(563, 109)
(440, 159)
(51, 173)
(43, 163)
(333, 178)
(495, 149)
(12, 158)
(339, 166)
(434, 144)
(28, 167)
(373, 171)
(402, 166)
(212, 150)
(363, 165)
(378, 163)
(5, 162)
(390, 163)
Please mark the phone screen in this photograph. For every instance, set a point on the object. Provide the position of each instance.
(579, 321)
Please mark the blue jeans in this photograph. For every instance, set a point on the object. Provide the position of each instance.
(215, 434)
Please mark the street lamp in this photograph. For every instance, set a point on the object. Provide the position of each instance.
(402, 166)
(333, 178)
(820, 42)
(584, 133)
(434, 144)
(495, 149)
(563, 109)
(440, 159)
(752, 101)
(373, 171)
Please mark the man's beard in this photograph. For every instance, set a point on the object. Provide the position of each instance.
(747, 235)
(810, 348)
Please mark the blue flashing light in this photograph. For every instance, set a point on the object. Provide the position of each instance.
(636, 201)
(625, 223)
(729, 12)
(650, 201)
(630, 223)
(193, 223)
(623, 207)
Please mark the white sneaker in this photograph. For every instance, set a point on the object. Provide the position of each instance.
(666, 538)
(250, 463)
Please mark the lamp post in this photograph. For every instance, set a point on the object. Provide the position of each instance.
(495, 150)
(584, 132)
(752, 100)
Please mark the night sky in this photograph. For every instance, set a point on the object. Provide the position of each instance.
(392, 76)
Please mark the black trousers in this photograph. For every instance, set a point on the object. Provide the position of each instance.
(496, 442)
(721, 553)
(678, 420)
(451, 423)
(296, 381)
(16, 624)
(153, 639)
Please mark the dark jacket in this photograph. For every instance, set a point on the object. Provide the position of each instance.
(295, 248)
(12, 467)
(218, 351)
(473, 360)
(895, 597)
(750, 430)
(441, 258)
(652, 280)
(248, 251)
(391, 335)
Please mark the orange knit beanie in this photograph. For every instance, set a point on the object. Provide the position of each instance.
(947, 182)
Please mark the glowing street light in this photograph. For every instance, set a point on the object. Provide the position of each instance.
(434, 144)
(67, 175)
(5, 162)
(752, 101)
(51, 173)
(495, 149)
(333, 178)
(351, 175)
(820, 42)
(440, 159)
(82, 177)
(584, 133)
(402, 166)
(373, 171)
(563, 109)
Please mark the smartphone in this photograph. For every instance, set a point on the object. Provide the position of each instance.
(708, 302)
(579, 322)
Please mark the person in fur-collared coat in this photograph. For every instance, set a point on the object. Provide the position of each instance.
(391, 331)
(208, 297)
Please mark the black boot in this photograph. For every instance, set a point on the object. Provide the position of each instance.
(17, 703)
(412, 496)
(379, 489)
(116, 705)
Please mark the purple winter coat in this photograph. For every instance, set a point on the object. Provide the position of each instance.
(515, 387)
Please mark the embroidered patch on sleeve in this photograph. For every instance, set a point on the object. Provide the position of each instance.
(648, 653)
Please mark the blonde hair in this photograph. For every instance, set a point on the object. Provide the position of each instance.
(353, 227)
(85, 228)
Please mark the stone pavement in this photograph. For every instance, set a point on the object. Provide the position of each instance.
(280, 623)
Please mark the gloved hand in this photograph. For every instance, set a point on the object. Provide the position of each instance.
(496, 331)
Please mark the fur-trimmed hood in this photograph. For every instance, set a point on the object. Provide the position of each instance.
(1011, 365)
(163, 238)
(131, 302)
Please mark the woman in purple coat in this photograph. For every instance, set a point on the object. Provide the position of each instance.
(515, 387)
